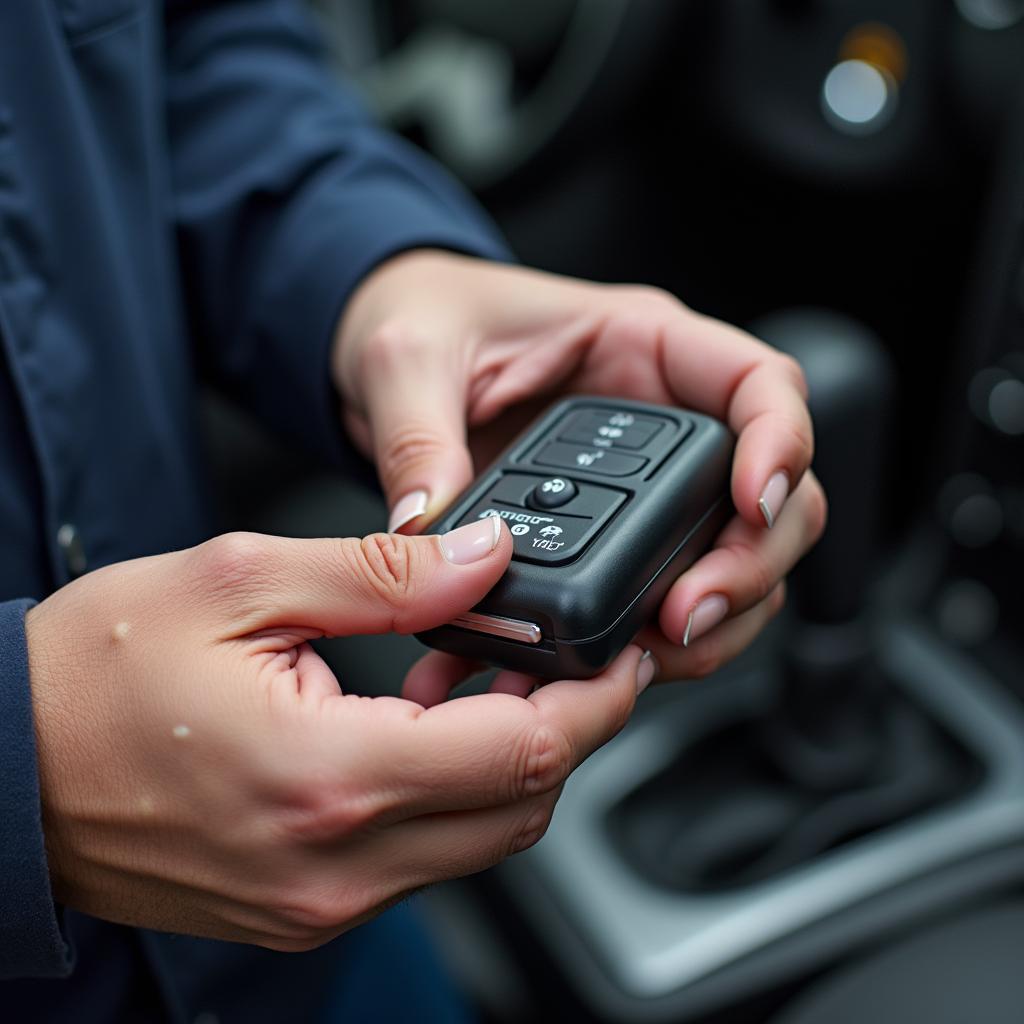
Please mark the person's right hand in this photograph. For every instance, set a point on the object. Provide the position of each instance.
(202, 772)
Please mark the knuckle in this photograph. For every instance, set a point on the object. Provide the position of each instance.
(391, 346)
(309, 915)
(280, 944)
(632, 370)
(303, 916)
(531, 831)
(298, 940)
(754, 568)
(650, 298)
(544, 762)
(388, 559)
(312, 807)
(330, 818)
(801, 440)
(231, 561)
(793, 372)
(659, 298)
(385, 563)
(414, 444)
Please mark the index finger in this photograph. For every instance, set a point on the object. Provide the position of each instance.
(489, 749)
(759, 391)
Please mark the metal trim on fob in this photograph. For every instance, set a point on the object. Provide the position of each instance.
(498, 625)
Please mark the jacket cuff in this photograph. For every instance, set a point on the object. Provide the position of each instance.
(31, 944)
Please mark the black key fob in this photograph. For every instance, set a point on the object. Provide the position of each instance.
(608, 501)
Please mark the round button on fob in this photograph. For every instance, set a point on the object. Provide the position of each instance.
(552, 493)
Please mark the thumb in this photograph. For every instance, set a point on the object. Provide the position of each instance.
(416, 407)
(344, 587)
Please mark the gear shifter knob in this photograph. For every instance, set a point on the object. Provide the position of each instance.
(851, 382)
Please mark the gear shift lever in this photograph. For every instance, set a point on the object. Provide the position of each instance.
(826, 730)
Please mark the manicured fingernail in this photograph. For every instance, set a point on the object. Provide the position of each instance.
(707, 613)
(472, 542)
(645, 671)
(773, 497)
(407, 509)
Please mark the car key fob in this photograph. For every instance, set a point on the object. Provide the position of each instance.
(608, 501)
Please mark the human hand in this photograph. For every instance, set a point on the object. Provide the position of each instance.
(202, 772)
(440, 359)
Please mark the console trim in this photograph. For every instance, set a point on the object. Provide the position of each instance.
(651, 943)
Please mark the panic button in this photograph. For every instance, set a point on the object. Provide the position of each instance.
(599, 460)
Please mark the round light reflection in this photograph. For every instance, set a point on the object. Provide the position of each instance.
(858, 98)
(991, 14)
(1006, 406)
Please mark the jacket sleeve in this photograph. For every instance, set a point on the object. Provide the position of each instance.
(286, 196)
(31, 944)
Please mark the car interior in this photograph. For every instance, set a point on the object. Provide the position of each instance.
(832, 827)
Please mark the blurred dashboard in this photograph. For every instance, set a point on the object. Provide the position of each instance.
(750, 155)
(744, 154)
(820, 87)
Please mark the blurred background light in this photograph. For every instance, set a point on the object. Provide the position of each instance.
(879, 45)
(991, 14)
(858, 97)
(1006, 406)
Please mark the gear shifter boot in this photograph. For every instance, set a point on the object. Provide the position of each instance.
(729, 812)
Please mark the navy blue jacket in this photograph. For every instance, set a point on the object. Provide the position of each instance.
(184, 190)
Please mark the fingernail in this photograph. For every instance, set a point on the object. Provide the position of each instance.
(407, 509)
(773, 497)
(704, 616)
(472, 542)
(645, 671)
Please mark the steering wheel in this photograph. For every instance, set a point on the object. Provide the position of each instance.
(490, 87)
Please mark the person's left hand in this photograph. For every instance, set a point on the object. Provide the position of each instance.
(441, 359)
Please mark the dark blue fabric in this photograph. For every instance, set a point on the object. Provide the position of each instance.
(116, 979)
(418, 992)
(283, 213)
(29, 938)
(184, 190)
(384, 972)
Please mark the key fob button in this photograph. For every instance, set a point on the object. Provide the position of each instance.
(600, 460)
(610, 430)
(583, 500)
(540, 537)
(552, 493)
